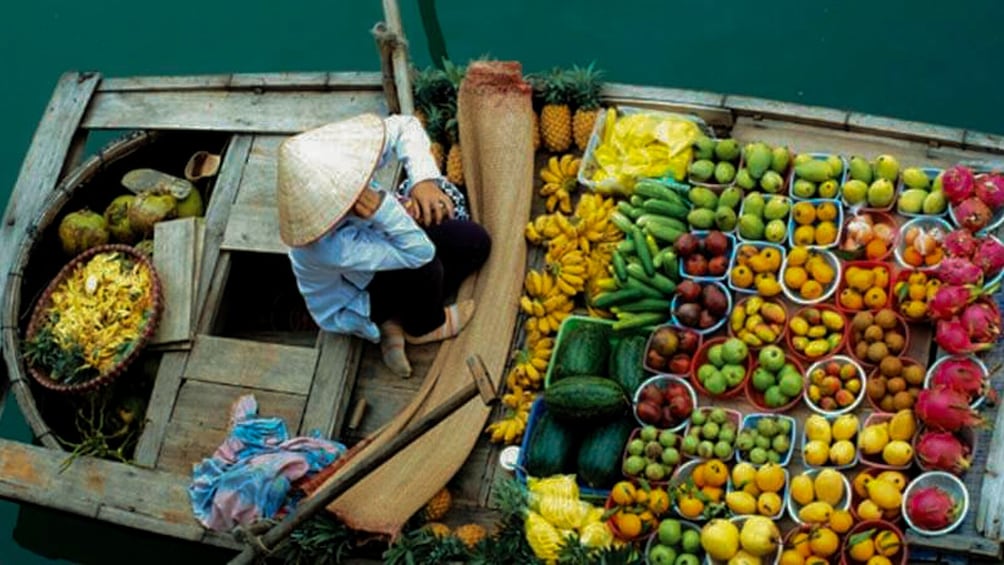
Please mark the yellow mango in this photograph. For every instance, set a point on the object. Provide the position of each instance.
(902, 426)
(829, 486)
(802, 490)
(740, 503)
(884, 494)
(815, 513)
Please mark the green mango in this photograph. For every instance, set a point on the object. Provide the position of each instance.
(758, 159)
(751, 227)
(935, 202)
(855, 191)
(771, 182)
(886, 167)
(881, 193)
(911, 201)
(730, 197)
(753, 204)
(814, 170)
(860, 169)
(775, 231)
(704, 149)
(727, 150)
(776, 208)
(936, 185)
(828, 189)
(744, 179)
(803, 188)
(725, 172)
(780, 158)
(701, 218)
(725, 218)
(703, 198)
(916, 178)
(836, 166)
(701, 170)
(802, 158)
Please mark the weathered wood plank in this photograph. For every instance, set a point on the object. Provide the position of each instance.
(258, 183)
(334, 380)
(264, 366)
(174, 260)
(955, 543)
(662, 94)
(186, 444)
(983, 141)
(801, 113)
(208, 405)
(905, 129)
(334, 80)
(237, 111)
(159, 407)
(254, 228)
(161, 83)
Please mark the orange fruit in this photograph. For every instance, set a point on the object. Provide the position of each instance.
(623, 493)
(811, 289)
(715, 473)
(800, 543)
(881, 277)
(658, 502)
(690, 507)
(804, 213)
(742, 276)
(629, 525)
(875, 298)
(934, 257)
(714, 494)
(795, 277)
(773, 257)
(913, 257)
(798, 256)
(698, 475)
(826, 233)
(850, 299)
(826, 212)
(876, 249)
(841, 521)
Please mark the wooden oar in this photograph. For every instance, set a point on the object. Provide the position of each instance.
(481, 384)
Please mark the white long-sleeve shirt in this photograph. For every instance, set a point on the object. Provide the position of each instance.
(332, 273)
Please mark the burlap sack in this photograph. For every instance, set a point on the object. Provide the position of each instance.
(495, 118)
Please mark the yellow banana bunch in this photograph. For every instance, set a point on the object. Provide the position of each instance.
(559, 182)
(531, 362)
(546, 305)
(508, 430)
(568, 266)
(546, 325)
(542, 229)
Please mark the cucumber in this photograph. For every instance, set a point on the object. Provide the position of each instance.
(599, 461)
(551, 446)
(622, 296)
(649, 189)
(664, 233)
(641, 248)
(585, 398)
(622, 222)
(645, 305)
(628, 210)
(657, 281)
(630, 320)
(636, 201)
(620, 266)
(626, 246)
(648, 291)
(646, 220)
(664, 208)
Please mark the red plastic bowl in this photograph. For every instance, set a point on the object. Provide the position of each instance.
(899, 558)
(798, 354)
(890, 517)
(851, 343)
(842, 284)
(874, 374)
(757, 398)
(624, 455)
(875, 461)
(647, 529)
(702, 358)
(772, 300)
(882, 218)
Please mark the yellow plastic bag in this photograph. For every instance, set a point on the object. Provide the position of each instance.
(642, 145)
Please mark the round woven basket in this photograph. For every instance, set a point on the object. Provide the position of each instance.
(40, 313)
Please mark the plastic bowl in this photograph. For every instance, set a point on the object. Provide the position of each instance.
(921, 222)
(713, 328)
(995, 221)
(685, 525)
(733, 416)
(857, 454)
(661, 381)
(702, 357)
(701, 234)
(713, 186)
(899, 558)
(877, 218)
(903, 275)
(874, 374)
(780, 335)
(945, 481)
(967, 436)
(739, 521)
(750, 421)
(852, 343)
(782, 494)
(828, 291)
(759, 245)
(794, 507)
(866, 265)
(841, 178)
(766, 196)
(932, 173)
(843, 360)
(875, 461)
(678, 330)
(789, 337)
(681, 476)
(608, 506)
(975, 402)
(839, 222)
(624, 455)
(757, 398)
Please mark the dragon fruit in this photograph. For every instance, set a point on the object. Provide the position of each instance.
(972, 214)
(942, 451)
(945, 409)
(951, 300)
(951, 335)
(957, 182)
(961, 374)
(982, 320)
(989, 255)
(932, 509)
(959, 271)
(990, 189)
(960, 243)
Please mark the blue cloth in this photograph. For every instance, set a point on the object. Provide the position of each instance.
(248, 478)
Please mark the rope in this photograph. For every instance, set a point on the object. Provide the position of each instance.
(384, 35)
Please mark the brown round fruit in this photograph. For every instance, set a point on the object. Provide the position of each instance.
(914, 374)
(649, 413)
(861, 350)
(891, 367)
(887, 404)
(886, 319)
(914, 392)
(862, 320)
(665, 342)
(895, 342)
(902, 401)
(895, 385)
(655, 360)
(876, 388)
(877, 352)
(873, 333)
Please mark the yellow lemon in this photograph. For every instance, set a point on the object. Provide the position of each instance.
(769, 504)
(862, 550)
(802, 490)
(792, 557)
(879, 560)
(884, 494)
(767, 285)
(829, 486)
(902, 426)
(770, 478)
(874, 438)
(798, 256)
(861, 483)
(897, 453)
(818, 429)
(824, 542)
(742, 474)
(842, 452)
(741, 503)
(815, 513)
(860, 279)
(881, 277)
(845, 426)
(816, 453)
(868, 510)
(841, 521)
(894, 477)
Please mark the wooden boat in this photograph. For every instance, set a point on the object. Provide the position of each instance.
(238, 342)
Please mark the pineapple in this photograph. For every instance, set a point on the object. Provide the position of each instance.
(470, 534)
(436, 128)
(438, 529)
(454, 159)
(431, 87)
(586, 94)
(536, 131)
(438, 505)
(555, 116)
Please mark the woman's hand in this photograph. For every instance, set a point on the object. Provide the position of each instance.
(367, 203)
(431, 204)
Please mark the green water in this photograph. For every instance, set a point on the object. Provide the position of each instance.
(927, 61)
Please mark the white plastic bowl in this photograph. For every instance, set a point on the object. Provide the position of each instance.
(857, 400)
(794, 506)
(795, 297)
(920, 222)
(661, 381)
(947, 482)
(978, 401)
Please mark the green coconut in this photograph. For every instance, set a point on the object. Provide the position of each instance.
(148, 209)
(117, 216)
(145, 247)
(82, 230)
(191, 206)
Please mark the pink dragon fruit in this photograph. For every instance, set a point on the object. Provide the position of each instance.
(942, 451)
(972, 214)
(959, 271)
(932, 509)
(982, 320)
(962, 374)
(945, 409)
(989, 255)
(957, 182)
(951, 335)
(960, 243)
(950, 300)
(990, 189)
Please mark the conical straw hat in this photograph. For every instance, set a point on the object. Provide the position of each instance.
(321, 174)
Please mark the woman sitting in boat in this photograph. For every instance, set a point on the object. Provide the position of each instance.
(368, 263)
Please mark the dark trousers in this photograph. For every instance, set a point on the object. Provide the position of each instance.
(416, 296)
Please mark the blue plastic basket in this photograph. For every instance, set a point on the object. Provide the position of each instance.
(701, 234)
(750, 422)
(839, 221)
(721, 322)
(759, 245)
(841, 178)
(932, 173)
